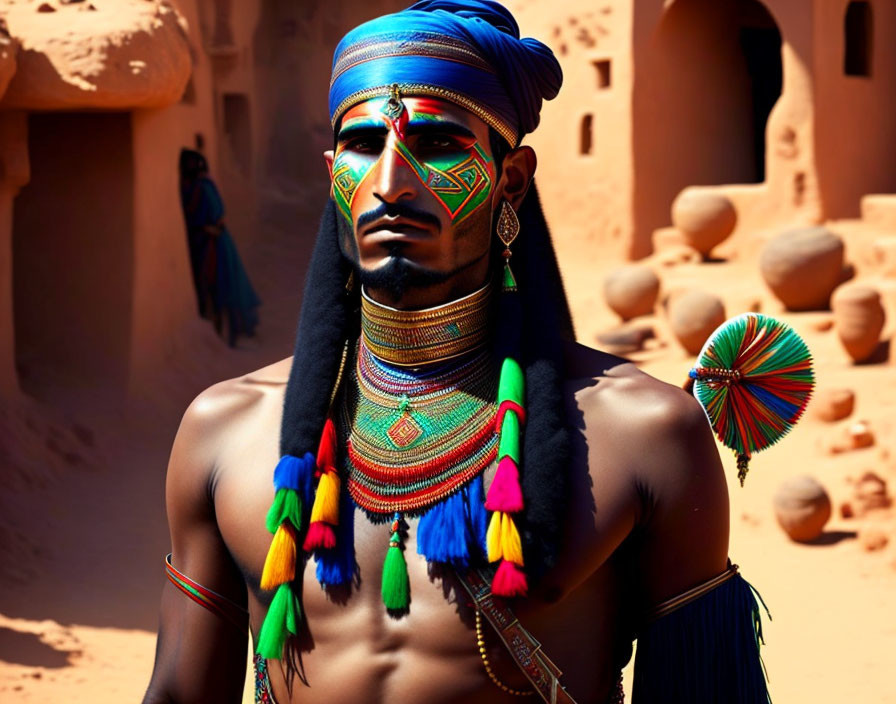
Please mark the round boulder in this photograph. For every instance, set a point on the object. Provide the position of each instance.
(802, 507)
(831, 405)
(632, 290)
(693, 316)
(858, 319)
(703, 217)
(803, 266)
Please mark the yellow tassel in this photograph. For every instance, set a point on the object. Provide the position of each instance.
(326, 500)
(280, 564)
(493, 537)
(510, 541)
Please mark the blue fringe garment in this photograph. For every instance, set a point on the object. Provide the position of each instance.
(706, 652)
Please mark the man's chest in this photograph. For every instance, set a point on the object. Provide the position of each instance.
(440, 623)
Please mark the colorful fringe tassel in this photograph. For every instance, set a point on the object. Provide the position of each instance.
(292, 490)
(395, 587)
(505, 496)
(325, 511)
(753, 378)
(453, 530)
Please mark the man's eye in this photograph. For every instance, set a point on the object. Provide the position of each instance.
(438, 142)
(365, 145)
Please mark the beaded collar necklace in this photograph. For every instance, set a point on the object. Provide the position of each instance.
(414, 439)
(412, 338)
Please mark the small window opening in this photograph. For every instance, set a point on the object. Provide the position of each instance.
(585, 137)
(602, 69)
(857, 30)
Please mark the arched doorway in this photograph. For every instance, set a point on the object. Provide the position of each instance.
(73, 255)
(703, 92)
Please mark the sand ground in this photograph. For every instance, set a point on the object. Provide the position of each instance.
(83, 531)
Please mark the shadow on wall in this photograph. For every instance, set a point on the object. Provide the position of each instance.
(73, 255)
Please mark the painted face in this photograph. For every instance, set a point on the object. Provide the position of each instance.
(414, 178)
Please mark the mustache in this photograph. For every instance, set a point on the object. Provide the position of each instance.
(397, 210)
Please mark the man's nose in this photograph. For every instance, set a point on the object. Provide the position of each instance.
(395, 178)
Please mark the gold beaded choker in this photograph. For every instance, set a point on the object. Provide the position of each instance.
(411, 338)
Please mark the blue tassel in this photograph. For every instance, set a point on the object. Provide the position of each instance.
(296, 473)
(337, 567)
(706, 651)
(453, 530)
(478, 516)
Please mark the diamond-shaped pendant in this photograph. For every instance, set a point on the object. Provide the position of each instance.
(404, 431)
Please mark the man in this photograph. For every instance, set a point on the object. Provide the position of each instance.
(435, 390)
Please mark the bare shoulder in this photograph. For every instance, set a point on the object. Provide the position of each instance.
(216, 410)
(612, 390)
(649, 443)
(216, 418)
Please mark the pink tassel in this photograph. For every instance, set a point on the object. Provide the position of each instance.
(320, 536)
(509, 580)
(505, 493)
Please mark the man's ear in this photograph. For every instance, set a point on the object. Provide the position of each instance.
(516, 175)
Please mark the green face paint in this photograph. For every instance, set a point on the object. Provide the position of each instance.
(456, 170)
(349, 169)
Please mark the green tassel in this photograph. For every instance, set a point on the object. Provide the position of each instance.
(509, 283)
(396, 588)
(511, 384)
(281, 620)
(509, 438)
(287, 504)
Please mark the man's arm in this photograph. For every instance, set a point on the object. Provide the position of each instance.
(200, 656)
(705, 649)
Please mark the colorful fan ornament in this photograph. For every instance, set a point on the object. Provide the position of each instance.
(753, 378)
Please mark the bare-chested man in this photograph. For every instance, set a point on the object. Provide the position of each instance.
(616, 488)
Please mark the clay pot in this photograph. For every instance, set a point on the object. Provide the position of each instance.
(803, 266)
(627, 338)
(704, 218)
(858, 319)
(870, 493)
(631, 290)
(693, 316)
(802, 507)
(831, 405)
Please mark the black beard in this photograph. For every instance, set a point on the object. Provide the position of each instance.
(399, 275)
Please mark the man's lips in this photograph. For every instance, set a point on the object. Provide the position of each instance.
(398, 228)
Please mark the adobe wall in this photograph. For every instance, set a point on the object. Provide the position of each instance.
(134, 58)
(164, 304)
(587, 197)
(692, 115)
(855, 137)
(13, 174)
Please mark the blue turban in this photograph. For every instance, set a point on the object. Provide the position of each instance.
(468, 52)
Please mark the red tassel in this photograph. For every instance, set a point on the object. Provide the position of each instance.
(509, 580)
(326, 453)
(320, 536)
(505, 493)
(509, 405)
